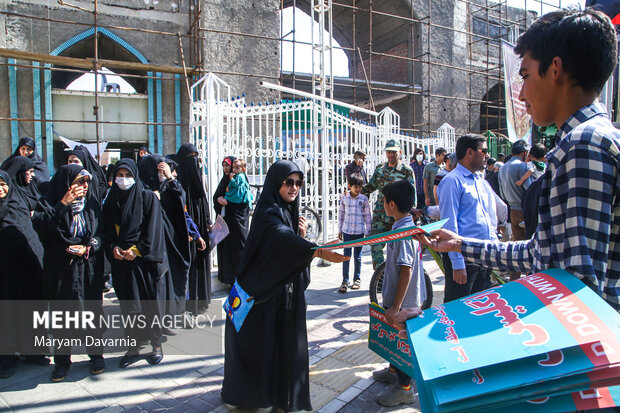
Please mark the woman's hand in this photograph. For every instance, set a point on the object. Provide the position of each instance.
(78, 250)
(331, 256)
(74, 192)
(202, 245)
(130, 255)
(118, 254)
(165, 169)
(222, 201)
(303, 226)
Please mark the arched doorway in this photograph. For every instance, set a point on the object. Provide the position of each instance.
(128, 112)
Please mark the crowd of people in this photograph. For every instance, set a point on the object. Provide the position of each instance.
(146, 223)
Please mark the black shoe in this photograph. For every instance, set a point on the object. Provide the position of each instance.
(39, 360)
(156, 356)
(60, 372)
(97, 366)
(167, 332)
(129, 358)
(6, 373)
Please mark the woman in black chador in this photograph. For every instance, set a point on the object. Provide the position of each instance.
(156, 173)
(21, 268)
(21, 171)
(134, 242)
(266, 362)
(66, 220)
(27, 148)
(198, 208)
(230, 249)
(98, 185)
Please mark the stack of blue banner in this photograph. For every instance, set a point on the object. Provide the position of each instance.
(544, 343)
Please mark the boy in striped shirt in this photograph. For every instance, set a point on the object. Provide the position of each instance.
(354, 221)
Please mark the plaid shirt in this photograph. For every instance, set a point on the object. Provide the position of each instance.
(579, 211)
(354, 217)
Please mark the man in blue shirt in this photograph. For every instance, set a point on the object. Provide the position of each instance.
(467, 201)
(579, 209)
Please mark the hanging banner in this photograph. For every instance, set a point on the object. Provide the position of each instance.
(519, 123)
(92, 147)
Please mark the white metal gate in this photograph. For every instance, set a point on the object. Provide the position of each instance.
(261, 134)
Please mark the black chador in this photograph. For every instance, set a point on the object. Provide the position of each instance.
(21, 266)
(236, 216)
(133, 222)
(68, 227)
(266, 362)
(42, 173)
(172, 199)
(99, 183)
(16, 168)
(198, 209)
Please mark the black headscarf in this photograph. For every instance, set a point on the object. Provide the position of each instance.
(274, 251)
(221, 187)
(99, 184)
(58, 187)
(127, 210)
(124, 208)
(16, 168)
(4, 202)
(189, 172)
(147, 167)
(13, 209)
(42, 174)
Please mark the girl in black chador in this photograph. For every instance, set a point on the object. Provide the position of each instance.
(135, 245)
(266, 362)
(67, 221)
(21, 269)
(198, 208)
(156, 174)
(81, 156)
(27, 148)
(22, 172)
(230, 249)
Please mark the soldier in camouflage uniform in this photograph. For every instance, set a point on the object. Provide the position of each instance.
(392, 170)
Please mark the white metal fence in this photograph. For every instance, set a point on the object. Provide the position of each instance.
(221, 125)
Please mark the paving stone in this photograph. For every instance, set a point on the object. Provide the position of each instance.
(332, 407)
(167, 401)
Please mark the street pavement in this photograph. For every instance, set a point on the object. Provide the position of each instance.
(340, 363)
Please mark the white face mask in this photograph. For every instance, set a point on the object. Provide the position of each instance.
(419, 157)
(161, 176)
(125, 183)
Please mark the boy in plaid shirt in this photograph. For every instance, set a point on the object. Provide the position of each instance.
(354, 221)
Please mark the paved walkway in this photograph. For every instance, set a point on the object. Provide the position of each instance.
(340, 365)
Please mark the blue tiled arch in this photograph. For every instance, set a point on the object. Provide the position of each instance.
(91, 32)
(74, 40)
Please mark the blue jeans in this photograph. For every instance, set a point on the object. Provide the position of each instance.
(357, 257)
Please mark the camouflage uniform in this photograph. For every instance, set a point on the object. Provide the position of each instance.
(383, 175)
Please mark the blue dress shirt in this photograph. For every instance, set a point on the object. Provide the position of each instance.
(464, 200)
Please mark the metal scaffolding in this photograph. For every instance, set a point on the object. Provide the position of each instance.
(487, 25)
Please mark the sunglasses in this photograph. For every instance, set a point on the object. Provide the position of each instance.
(290, 182)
